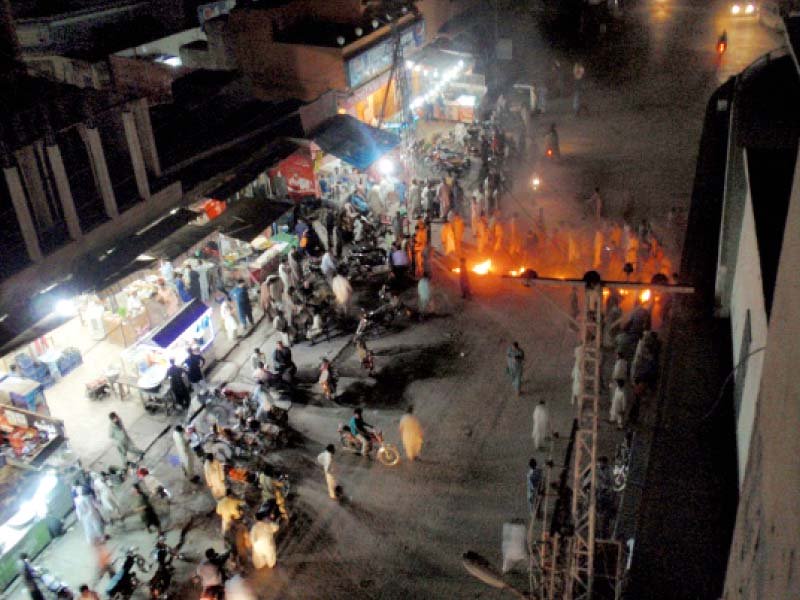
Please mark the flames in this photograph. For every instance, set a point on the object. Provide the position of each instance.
(481, 268)
(517, 272)
(645, 296)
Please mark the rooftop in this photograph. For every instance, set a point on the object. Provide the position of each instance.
(113, 37)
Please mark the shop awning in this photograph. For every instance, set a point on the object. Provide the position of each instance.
(354, 142)
(175, 327)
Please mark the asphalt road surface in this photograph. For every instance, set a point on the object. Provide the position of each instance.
(400, 532)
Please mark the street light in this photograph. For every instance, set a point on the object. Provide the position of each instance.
(385, 166)
(479, 568)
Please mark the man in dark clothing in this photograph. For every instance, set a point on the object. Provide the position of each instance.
(242, 298)
(330, 223)
(194, 368)
(534, 482)
(28, 573)
(194, 282)
(142, 505)
(177, 385)
(282, 360)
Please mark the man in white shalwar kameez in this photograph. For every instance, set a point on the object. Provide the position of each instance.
(109, 503)
(262, 539)
(541, 425)
(325, 460)
(89, 517)
(285, 276)
(184, 452)
(618, 402)
(577, 375)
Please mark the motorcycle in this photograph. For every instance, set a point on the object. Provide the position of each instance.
(621, 465)
(125, 581)
(722, 43)
(162, 556)
(387, 454)
(53, 583)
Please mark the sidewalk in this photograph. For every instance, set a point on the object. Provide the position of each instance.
(72, 559)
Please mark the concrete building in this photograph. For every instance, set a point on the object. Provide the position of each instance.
(304, 49)
(757, 286)
(85, 168)
(765, 128)
(133, 45)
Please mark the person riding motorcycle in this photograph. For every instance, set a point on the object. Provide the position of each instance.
(551, 141)
(361, 430)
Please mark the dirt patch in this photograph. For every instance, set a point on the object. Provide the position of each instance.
(393, 379)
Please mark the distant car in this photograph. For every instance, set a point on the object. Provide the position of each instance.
(743, 9)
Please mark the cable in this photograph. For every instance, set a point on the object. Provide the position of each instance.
(727, 379)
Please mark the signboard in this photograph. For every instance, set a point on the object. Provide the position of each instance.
(378, 58)
(214, 9)
(298, 170)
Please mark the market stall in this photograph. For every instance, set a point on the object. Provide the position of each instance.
(23, 393)
(146, 362)
(34, 485)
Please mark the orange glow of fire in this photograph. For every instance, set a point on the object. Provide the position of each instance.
(482, 268)
(517, 272)
(645, 296)
(606, 292)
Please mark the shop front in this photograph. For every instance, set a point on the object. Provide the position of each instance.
(371, 98)
(35, 470)
(360, 164)
(443, 85)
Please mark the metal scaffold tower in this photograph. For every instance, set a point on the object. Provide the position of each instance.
(572, 563)
(584, 480)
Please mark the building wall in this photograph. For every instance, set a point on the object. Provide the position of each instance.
(438, 12)
(764, 561)
(305, 72)
(747, 297)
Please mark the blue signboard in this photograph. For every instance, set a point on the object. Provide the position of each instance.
(378, 58)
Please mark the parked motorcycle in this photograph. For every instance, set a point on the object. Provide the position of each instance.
(387, 454)
(125, 581)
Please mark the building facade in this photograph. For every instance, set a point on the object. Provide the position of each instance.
(764, 560)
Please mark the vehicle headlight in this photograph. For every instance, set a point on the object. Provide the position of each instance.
(749, 9)
(736, 9)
